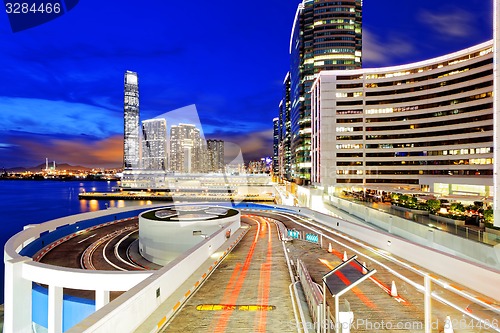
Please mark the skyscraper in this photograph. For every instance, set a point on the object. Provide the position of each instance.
(131, 121)
(284, 135)
(276, 135)
(326, 35)
(215, 149)
(154, 144)
(185, 149)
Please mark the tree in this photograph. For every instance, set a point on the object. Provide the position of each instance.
(433, 205)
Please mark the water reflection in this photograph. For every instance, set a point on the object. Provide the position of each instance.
(95, 205)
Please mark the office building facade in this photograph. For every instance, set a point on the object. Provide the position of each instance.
(154, 144)
(426, 125)
(326, 35)
(131, 121)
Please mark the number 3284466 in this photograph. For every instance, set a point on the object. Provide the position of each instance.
(32, 8)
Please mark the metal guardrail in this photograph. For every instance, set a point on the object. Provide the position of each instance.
(314, 296)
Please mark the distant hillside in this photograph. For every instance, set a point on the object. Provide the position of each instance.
(63, 166)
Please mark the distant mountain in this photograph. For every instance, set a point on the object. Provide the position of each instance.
(63, 166)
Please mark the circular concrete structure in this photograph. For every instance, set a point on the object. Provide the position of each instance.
(165, 233)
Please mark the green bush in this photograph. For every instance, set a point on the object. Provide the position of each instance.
(433, 205)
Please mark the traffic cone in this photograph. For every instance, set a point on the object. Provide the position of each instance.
(394, 290)
(330, 249)
(364, 268)
(344, 258)
(448, 327)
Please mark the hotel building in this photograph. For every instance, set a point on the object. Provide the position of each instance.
(426, 126)
(326, 35)
(131, 121)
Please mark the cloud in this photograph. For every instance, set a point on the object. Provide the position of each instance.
(32, 149)
(57, 117)
(380, 52)
(454, 23)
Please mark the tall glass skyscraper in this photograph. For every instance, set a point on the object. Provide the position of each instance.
(131, 121)
(284, 128)
(326, 35)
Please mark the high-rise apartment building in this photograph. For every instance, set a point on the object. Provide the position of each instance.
(131, 121)
(326, 35)
(154, 144)
(186, 149)
(215, 150)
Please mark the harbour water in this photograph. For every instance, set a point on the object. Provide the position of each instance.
(24, 202)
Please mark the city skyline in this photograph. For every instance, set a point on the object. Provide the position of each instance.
(62, 89)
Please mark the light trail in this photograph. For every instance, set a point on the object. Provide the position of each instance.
(224, 318)
(265, 278)
(117, 254)
(106, 239)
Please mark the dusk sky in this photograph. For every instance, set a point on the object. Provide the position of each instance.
(61, 87)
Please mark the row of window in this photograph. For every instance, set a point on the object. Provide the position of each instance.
(411, 172)
(460, 90)
(460, 80)
(482, 139)
(415, 116)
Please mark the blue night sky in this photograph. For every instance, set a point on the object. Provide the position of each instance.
(61, 87)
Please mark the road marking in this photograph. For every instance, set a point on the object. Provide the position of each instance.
(83, 240)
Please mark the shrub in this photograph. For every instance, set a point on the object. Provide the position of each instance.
(433, 205)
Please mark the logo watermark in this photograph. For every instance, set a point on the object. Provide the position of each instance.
(26, 14)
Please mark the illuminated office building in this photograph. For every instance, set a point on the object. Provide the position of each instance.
(154, 144)
(186, 149)
(215, 151)
(131, 121)
(426, 126)
(326, 35)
